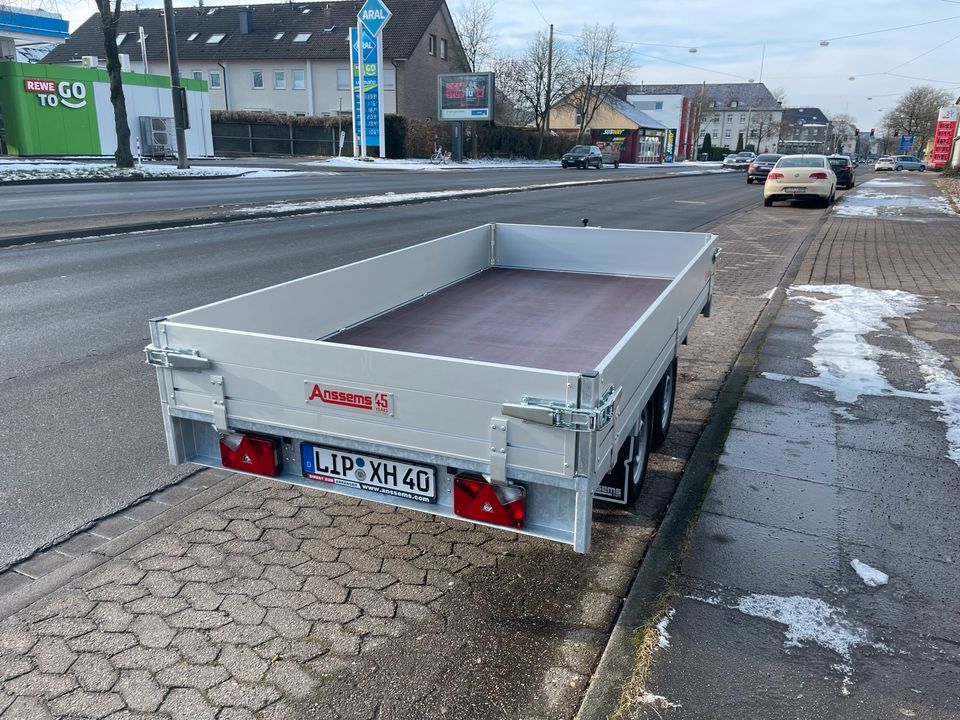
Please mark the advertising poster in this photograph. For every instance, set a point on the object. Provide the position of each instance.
(465, 96)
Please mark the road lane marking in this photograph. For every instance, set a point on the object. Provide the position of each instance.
(691, 202)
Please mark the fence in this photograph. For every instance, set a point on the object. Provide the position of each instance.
(243, 138)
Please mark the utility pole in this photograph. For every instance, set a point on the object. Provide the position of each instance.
(179, 96)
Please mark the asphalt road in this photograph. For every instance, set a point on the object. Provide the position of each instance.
(24, 203)
(80, 432)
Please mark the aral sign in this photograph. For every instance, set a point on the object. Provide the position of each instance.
(51, 93)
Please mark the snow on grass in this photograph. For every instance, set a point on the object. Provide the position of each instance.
(848, 366)
(870, 575)
(20, 170)
(890, 182)
(810, 620)
(420, 164)
(645, 697)
(871, 202)
(663, 637)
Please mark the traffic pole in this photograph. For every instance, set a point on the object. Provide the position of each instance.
(175, 89)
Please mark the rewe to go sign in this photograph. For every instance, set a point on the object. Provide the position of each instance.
(52, 93)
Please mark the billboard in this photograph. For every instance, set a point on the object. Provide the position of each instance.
(944, 135)
(465, 96)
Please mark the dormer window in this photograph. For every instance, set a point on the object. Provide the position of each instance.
(121, 37)
(216, 39)
(192, 37)
(302, 37)
(278, 36)
(735, 103)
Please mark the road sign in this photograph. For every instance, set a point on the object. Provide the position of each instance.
(374, 15)
(906, 142)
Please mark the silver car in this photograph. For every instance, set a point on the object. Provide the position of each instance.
(900, 162)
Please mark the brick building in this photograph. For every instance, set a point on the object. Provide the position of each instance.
(287, 57)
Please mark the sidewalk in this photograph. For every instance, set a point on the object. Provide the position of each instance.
(821, 580)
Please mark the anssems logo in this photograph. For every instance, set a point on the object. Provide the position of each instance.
(352, 398)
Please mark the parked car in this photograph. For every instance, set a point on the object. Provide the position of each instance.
(801, 177)
(760, 166)
(739, 161)
(582, 156)
(900, 162)
(845, 170)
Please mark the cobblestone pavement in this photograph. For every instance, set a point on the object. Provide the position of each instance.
(278, 602)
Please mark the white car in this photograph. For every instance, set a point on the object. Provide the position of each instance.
(801, 177)
(900, 162)
(739, 160)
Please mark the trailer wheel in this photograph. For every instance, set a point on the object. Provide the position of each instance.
(663, 399)
(634, 455)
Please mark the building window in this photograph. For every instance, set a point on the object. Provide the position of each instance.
(302, 37)
(215, 39)
(443, 48)
(198, 74)
(343, 79)
(735, 104)
(730, 117)
(389, 78)
(120, 38)
(278, 36)
(256, 79)
(215, 80)
(726, 133)
(743, 118)
(192, 37)
(577, 119)
(432, 45)
(297, 79)
(658, 105)
(279, 80)
(716, 103)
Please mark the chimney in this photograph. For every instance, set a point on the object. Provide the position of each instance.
(327, 18)
(246, 22)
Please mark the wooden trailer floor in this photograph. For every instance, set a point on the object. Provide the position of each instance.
(532, 318)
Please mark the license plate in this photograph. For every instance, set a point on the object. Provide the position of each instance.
(795, 189)
(369, 472)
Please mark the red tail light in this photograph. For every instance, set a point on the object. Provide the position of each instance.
(251, 454)
(476, 499)
(818, 176)
(775, 176)
(752, 166)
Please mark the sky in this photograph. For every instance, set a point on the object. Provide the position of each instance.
(862, 76)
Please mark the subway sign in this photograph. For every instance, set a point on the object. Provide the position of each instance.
(51, 93)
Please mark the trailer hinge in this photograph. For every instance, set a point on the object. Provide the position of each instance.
(219, 404)
(170, 358)
(561, 415)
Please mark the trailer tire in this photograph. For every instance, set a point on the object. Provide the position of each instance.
(663, 399)
(634, 456)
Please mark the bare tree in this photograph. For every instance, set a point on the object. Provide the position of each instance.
(763, 126)
(523, 80)
(600, 63)
(844, 128)
(474, 21)
(109, 18)
(916, 113)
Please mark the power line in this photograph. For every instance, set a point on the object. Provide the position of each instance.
(695, 67)
(537, 8)
(936, 47)
(900, 27)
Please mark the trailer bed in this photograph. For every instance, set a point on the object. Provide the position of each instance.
(532, 318)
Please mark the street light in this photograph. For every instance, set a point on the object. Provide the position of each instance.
(824, 43)
(692, 50)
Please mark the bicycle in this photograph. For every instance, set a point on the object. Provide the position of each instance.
(439, 157)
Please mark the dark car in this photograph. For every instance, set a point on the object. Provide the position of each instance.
(760, 167)
(845, 170)
(583, 156)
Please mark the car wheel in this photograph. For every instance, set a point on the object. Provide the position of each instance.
(563, 165)
(899, 168)
(633, 457)
(616, 164)
(663, 399)
(921, 168)
(599, 164)
(749, 180)
(767, 202)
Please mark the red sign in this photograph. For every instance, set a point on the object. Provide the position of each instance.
(48, 87)
(350, 398)
(942, 143)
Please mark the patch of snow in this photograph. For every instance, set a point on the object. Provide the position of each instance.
(871, 203)
(645, 697)
(870, 575)
(847, 365)
(890, 182)
(663, 637)
(844, 413)
(810, 620)
(769, 293)
(422, 164)
(845, 209)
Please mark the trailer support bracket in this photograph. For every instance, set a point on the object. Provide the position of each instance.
(219, 404)
(498, 449)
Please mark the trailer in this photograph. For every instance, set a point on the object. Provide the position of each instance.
(507, 375)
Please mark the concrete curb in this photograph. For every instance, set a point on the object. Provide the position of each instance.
(234, 215)
(30, 593)
(664, 554)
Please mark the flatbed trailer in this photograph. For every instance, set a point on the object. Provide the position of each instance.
(506, 374)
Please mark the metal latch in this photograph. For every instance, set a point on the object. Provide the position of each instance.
(716, 254)
(171, 358)
(560, 415)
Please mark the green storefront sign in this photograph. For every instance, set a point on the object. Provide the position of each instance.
(49, 109)
(63, 110)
